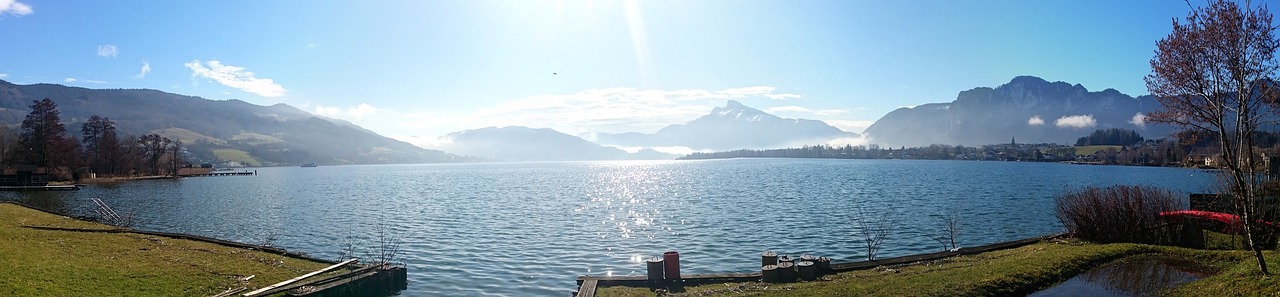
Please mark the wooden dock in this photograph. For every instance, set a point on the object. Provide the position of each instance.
(587, 284)
(42, 188)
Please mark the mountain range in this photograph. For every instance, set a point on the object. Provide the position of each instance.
(1028, 109)
(734, 126)
(517, 143)
(267, 134)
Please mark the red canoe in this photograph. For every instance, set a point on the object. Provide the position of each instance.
(1232, 221)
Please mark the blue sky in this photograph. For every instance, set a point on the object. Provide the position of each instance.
(416, 70)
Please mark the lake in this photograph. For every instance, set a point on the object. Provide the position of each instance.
(521, 229)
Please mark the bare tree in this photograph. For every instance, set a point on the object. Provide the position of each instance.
(1215, 73)
(949, 229)
(175, 159)
(873, 230)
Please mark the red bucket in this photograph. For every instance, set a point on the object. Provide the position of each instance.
(671, 261)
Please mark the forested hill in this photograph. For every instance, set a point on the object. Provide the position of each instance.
(279, 134)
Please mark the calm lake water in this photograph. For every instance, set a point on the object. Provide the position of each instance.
(528, 229)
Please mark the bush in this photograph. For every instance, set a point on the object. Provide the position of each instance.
(1116, 213)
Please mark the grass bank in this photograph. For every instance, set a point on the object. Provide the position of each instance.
(1000, 273)
(67, 263)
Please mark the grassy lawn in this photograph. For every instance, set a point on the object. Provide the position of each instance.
(255, 138)
(236, 155)
(67, 263)
(1009, 272)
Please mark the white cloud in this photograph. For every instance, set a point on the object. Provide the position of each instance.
(1035, 121)
(1076, 121)
(863, 139)
(146, 68)
(312, 45)
(15, 8)
(72, 79)
(1139, 120)
(108, 51)
(608, 110)
(763, 91)
(800, 109)
(356, 112)
(235, 77)
(791, 108)
(781, 96)
(81, 80)
(856, 126)
(4, 75)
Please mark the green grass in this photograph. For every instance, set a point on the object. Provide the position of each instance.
(184, 135)
(236, 155)
(1090, 149)
(67, 263)
(255, 138)
(1000, 273)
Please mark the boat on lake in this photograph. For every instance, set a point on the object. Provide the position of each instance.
(309, 165)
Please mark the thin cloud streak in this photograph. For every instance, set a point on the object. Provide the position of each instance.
(146, 68)
(235, 77)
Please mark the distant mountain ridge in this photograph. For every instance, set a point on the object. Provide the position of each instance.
(1028, 109)
(516, 143)
(278, 133)
(734, 126)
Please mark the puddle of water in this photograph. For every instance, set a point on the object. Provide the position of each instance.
(1133, 276)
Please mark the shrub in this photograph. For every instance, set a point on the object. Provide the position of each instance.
(1116, 213)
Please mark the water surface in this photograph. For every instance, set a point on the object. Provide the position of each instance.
(521, 229)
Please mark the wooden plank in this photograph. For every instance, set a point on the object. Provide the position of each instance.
(587, 289)
(230, 292)
(296, 279)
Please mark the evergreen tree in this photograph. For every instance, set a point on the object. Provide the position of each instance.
(43, 140)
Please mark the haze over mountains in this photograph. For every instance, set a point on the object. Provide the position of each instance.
(734, 126)
(518, 143)
(279, 133)
(1027, 108)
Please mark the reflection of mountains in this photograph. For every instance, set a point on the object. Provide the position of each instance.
(1145, 275)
